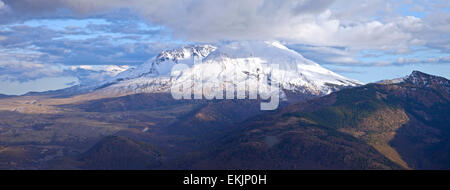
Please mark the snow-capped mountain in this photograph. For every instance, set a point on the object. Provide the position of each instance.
(163, 63)
(420, 79)
(425, 80)
(249, 61)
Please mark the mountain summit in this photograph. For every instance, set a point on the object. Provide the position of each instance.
(425, 80)
(420, 79)
(244, 60)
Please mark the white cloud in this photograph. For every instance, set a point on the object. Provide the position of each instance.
(23, 67)
(21, 70)
(304, 21)
(327, 31)
(343, 60)
(353, 24)
(92, 74)
(321, 23)
(403, 60)
(111, 70)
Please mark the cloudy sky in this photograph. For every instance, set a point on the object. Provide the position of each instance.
(51, 44)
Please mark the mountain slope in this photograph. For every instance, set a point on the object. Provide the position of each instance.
(115, 152)
(376, 126)
(6, 96)
(400, 125)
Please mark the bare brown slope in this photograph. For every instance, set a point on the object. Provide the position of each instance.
(390, 126)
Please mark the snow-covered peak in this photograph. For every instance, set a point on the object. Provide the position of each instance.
(420, 79)
(266, 49)
(392, 81)
(185, 52)
(425, 80)
(294, 73)
(163, 62)
(250, 60)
